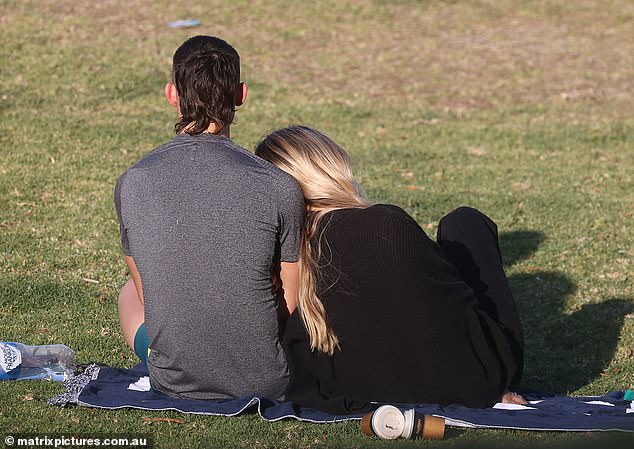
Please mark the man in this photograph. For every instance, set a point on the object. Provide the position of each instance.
(203, 221)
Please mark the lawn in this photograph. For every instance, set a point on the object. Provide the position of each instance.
(521, 109)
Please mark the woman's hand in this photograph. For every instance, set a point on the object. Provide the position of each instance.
(513, 398)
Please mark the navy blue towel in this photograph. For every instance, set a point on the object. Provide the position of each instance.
(112, 388)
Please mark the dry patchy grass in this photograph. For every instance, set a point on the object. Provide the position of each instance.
(447, 56)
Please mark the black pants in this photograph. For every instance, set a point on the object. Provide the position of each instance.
(469, 240)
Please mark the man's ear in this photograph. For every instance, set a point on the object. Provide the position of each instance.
(241, 94)
(171, 94)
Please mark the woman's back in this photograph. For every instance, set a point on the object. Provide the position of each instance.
(383, 315)
(409, 329)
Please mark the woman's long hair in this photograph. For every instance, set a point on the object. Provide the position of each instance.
(322, 169)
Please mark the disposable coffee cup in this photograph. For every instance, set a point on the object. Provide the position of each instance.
(388, 422)
(423, 426)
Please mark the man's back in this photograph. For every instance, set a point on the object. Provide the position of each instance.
(204, 220)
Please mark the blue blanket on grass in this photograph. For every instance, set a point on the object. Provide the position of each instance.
(113, 388)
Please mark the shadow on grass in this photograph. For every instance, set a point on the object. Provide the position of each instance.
(519, 245)
(564, 350)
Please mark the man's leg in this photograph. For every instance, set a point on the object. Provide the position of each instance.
(469, 240)
(131, 317)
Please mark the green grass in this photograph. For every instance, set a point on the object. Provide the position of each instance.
(523, 111)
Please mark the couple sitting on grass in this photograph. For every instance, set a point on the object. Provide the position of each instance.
(273, 275)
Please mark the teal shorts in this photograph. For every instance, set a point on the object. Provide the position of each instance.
(142, 344)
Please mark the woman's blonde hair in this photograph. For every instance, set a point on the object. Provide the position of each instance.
(322, 169)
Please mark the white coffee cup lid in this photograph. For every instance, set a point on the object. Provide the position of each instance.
(388, 422)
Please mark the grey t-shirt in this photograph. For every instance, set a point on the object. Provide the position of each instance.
(204, 220)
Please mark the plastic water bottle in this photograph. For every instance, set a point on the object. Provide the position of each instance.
(50, 362)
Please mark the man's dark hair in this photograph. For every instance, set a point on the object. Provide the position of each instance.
(206, 72)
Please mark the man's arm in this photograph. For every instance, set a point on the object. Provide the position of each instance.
(136, 277)
(131, 309)
(289, 275)
(291, 226)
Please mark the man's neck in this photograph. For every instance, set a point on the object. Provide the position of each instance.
(225, 133)
(212, 130)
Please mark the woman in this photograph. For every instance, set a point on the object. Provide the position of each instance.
(384, 313)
